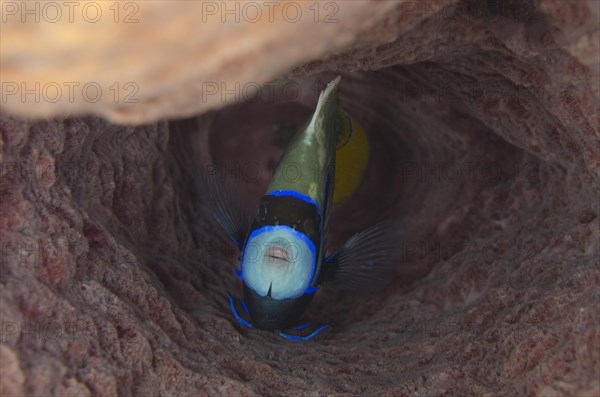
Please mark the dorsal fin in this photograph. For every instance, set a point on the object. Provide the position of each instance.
(347, 129)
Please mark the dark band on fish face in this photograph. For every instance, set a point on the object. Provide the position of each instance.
(289, 211)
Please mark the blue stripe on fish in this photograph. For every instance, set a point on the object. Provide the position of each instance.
(236, 315)
(239, 274)
(307, 337)
(245, 308)
(302, 327)
(280, 193)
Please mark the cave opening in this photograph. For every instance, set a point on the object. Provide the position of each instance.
(433, 164)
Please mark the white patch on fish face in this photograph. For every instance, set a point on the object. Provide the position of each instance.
(277, 258)
(312, 190)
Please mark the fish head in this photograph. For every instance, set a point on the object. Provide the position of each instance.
(278, 265)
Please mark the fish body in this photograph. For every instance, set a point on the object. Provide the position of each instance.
(283, 244)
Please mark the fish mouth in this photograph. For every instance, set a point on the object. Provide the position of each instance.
(277, 254)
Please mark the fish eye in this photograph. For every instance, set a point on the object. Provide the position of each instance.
(262, 211)
(308, 226)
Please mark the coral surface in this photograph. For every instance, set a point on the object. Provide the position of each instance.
(483, 124)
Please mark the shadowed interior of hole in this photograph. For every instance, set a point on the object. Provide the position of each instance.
(427, 163)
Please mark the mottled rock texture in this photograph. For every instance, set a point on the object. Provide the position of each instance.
(483, 119)
(135, 62)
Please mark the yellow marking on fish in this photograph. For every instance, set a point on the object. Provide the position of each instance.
(351, 161)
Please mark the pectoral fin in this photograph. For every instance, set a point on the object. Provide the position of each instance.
(365, 261)
(221, 198)
(303, 332)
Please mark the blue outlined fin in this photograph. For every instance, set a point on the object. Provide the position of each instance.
(365, 261)
(221, 198)
(238, 272)
(303, 332)
(240, 312)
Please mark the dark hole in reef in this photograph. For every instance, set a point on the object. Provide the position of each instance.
(421, 146)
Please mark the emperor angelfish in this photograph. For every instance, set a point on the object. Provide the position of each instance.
(283, 262)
